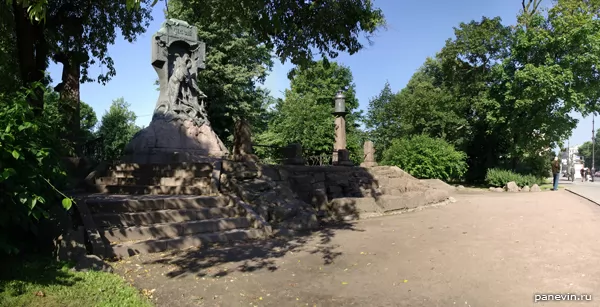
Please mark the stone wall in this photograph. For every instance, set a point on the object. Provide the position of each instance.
(280, 192)
(272, 199)
(317, 185)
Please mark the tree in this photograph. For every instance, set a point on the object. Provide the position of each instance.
(9, 66)
(381, 124)
(74, 34)
(427, 158)
(292, 28)
(236, 64)
(585, 150)
(304, 115)
(89, 120)
(79, 36)
(116, 129)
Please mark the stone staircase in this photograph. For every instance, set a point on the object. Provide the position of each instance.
(157, 179)
(157, 207)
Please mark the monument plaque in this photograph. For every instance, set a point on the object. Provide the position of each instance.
(180, 130)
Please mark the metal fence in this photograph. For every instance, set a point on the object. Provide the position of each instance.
(321, 159)
(274, 154)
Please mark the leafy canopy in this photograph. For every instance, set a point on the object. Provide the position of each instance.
(304, 115)
(116, 129)
(292, 28)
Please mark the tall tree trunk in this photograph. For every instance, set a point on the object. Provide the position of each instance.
(70, 97)
(32, 53)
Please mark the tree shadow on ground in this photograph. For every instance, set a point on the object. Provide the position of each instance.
(254, 255)
(37, 270)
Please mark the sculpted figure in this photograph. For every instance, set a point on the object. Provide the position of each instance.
(184, 93)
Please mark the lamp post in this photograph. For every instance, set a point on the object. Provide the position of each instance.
(340, 154)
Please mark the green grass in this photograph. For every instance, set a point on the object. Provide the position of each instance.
(549, 186)
(43, 282)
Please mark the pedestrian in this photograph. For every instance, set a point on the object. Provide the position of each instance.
(582, 172)
(555, 173)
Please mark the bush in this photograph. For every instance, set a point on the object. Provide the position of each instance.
(427, 158)
(499, 178)
(30, 171)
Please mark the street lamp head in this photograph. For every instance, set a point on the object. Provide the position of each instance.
(340, 103)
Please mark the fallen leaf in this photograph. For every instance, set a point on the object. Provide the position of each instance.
(344, 283)
(260, 298)
(406, 280)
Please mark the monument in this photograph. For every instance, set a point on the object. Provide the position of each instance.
(180, 130)
(369, 155)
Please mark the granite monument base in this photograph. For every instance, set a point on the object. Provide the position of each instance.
(174, 141)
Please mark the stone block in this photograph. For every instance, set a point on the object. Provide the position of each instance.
(71, 245)
(92, 262)
(319, 199)
(511, 187)
(352, 206)
(319, 177)
(270, 172)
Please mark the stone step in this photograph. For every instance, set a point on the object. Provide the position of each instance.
(171, 230)
(196, 240)
(153, 190)
(161, 166)
(162, 181)
(181, 173)
(107, 220)
(136, 203)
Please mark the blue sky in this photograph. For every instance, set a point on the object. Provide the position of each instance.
(416, 30)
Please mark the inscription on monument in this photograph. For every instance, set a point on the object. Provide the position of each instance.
(183, 31)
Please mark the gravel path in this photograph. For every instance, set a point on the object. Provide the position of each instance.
(485, 250)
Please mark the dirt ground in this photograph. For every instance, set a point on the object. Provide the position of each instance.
(487, 249)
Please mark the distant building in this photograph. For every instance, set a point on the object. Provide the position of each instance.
(571, 156)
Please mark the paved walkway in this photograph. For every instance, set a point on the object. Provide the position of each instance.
(486, 250)
(588, 190)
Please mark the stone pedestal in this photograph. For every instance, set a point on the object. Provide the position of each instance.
(180, 130)
(340, 154)
(293, 155)
(369, 155)
(173, 142)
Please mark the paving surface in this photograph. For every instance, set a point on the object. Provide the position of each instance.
(487, 249)
(588, 190)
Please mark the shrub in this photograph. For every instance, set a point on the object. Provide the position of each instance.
(499, 178)
(426, 157)
(30, 171)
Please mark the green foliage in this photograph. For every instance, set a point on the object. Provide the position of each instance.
(294, 30)
(427, 158)
(30, 170)
(304, 115)
(88, 121)
(116, 129)
(21, 279)
(585, 150)
(504, 94)
(236, 64)
(499, 178)
(382, 125)
(9, 66)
